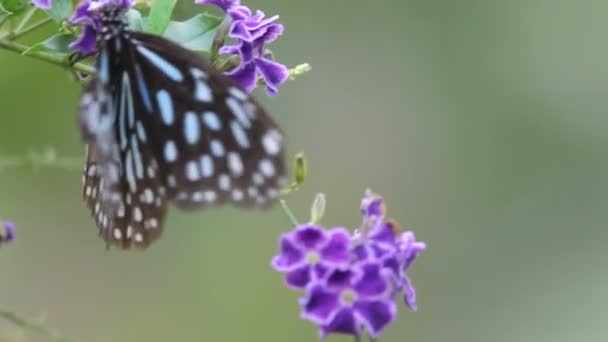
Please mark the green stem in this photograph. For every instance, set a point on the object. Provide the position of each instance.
(32, 326)
(30, 28)
(220, 37)
(45, 56)
(292, 218)
(26, 17)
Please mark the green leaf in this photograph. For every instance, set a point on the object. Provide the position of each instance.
(58, 44)
(13, 6)
(61, 10)
(4, 14)
(160, 15)
(196, 33)
(134, 20)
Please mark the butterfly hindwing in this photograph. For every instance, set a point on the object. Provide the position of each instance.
(127, 201)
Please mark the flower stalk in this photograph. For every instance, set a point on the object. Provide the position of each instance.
(33, 326)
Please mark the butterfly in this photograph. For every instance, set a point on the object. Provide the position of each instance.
(162, 125)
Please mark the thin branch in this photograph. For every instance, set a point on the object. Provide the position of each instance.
(29, 325)
(31, 28)
(26, 17)
(45, 56)
(292, 218)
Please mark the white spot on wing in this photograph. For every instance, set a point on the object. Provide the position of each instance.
(192, 129)
(202, 92)
(239, 112)
(165, 104)
(162, 64)
(170, 151)
(267, 168)
(223, 182)
(192, 172)
(239, 134)
(206, 165)
(212, 121)
(272, 142)
(235, 164)
(217, 148)
(238, 93)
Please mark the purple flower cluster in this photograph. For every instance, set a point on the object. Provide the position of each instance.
(350, 281)
(85, 15)
(7, 232)
(251, 33)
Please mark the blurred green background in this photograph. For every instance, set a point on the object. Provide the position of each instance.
(483, 123)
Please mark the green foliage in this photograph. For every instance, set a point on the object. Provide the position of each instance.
(195, 33)
(160, 16)
(61, 10)
(134, 19)
(57, 44)
(12, 6)
(4, 13)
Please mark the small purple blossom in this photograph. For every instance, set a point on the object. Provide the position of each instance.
(350, 298)
(356, 291)
(7, 232)
(87, 16)
(252, 32)
(307, 252)
(43, 4)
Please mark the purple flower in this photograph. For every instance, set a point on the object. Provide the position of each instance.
(223, 4)
(43, 4)
(349, 299)
(252, 32)
(307, 252)
(7, 233)
(87, 16)
(351, 281)
(409, 249)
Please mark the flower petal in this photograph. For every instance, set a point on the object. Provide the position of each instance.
(343, 323)
(375, 315)
(245, 76)
(409, 293)
(274, 74)
(410, 248)
(384, 233)
(43, 4)
(372, 283)
(339, 279)
(7, 234)
(289, 256)
(337, 249)
(81, 14)
(298, 278)
(239, 12)
(86, 42)
(310, 237)
(319, 305)
(372, 205)
(238, 30)
(223, 4)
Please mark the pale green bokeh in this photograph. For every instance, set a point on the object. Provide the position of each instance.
(483, 123)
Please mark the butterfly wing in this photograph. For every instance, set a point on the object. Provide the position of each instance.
(215, 143)
(162, 124)
(127, 201)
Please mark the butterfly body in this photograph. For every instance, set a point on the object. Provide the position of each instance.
(162, 125)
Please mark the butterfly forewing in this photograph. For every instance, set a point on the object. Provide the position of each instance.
(162, 124)
(214, 143)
